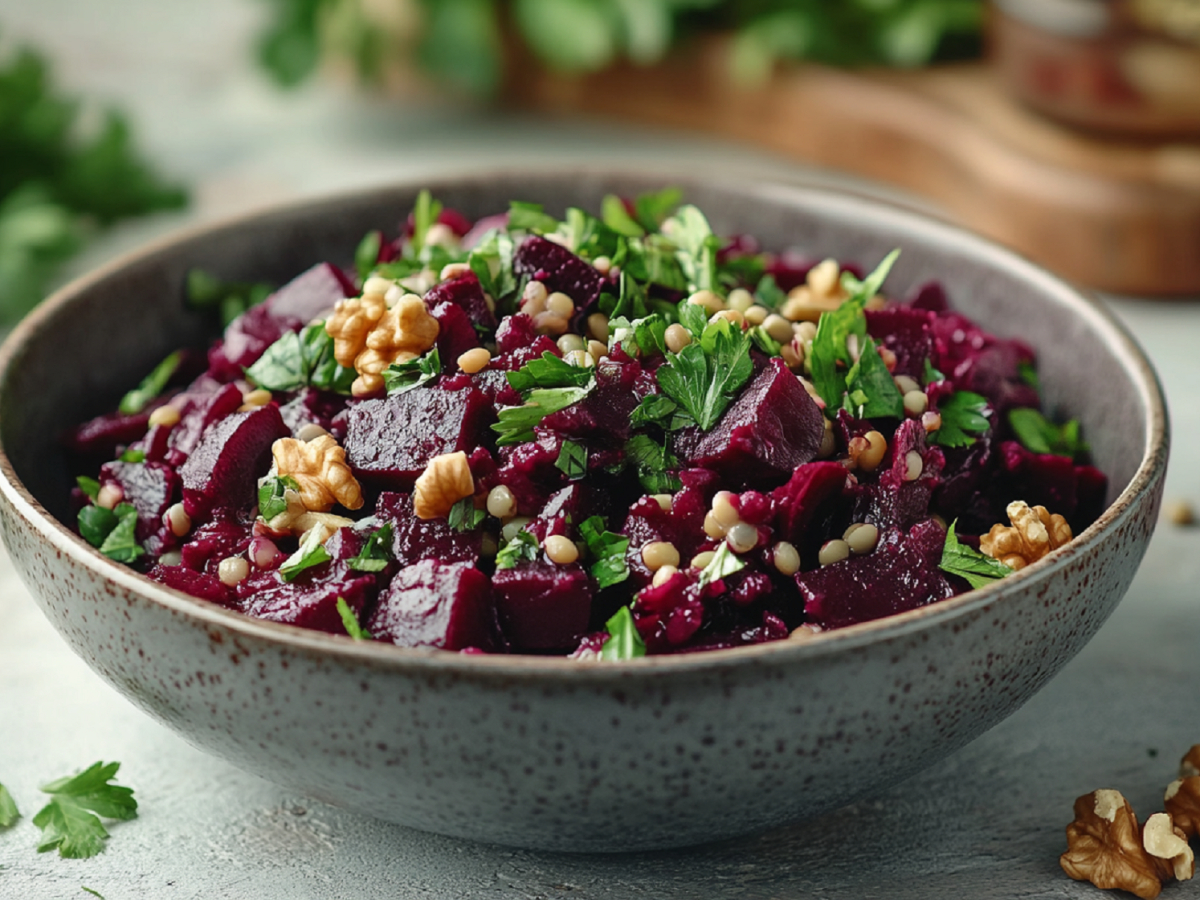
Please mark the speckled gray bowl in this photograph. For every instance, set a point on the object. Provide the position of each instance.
(550, 753)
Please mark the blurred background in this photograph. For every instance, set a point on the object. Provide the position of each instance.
(1069, 129)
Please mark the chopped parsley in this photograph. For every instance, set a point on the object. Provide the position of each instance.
(130, 455)
(769, 293)
(961, 412)
(653, 462)
(871, 389)
(297, 360)
(705, 381)
(272, 498)
(112, 531)
(492, 262)
(204, 291)
(631, 300)
(152, 385)
(70, 821)
(425, 215)
(572, 460)
(551, 371)
(376, 552)
(464, 516)
(617, 217)
(763, 341)
(530, 217)
(8, 808)
(655, 409)
(523, 546)
(962, 560)
(623, 640)
(311, 552)
(400, 378)
(653, 207)
(89, 486)
(931, 375)
(607, 551)
(723, 563)
(515, 423)
(366, 254)
(1039, 435)
(350, 621)
(697, 247)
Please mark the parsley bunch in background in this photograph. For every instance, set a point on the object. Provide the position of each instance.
(461, 43)
(59, 183)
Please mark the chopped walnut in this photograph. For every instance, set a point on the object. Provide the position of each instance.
(298, 519)
(403, 333)
(352, 320)
(1104, 846)
(1182, 801)
(1190, 764)
(446, 480)
(1034, 533)
(319, 467)
(1168, 848)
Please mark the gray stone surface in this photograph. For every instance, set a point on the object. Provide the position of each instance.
(986, 823)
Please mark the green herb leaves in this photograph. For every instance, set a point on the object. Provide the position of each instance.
(112, 531)
(8, 808)
(523, 546)
(697, 247)
(963, 413)
(311, 552)
(152, 385)
(623, 640)
(376, 552)
(704, 380)
(515, 423)
(606, 551)
(350, 621)
(297, 360)
(70, 821)
(1039, 435)
(272, 498)
(966, 562)
(724, 562)
(572, 460)
(464, 516)
(550, 371)
(871, 391)
(653, 462)
(399, 378)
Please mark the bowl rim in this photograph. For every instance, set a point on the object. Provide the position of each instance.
(813, 196)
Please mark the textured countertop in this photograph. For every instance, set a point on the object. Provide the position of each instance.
(985, 823)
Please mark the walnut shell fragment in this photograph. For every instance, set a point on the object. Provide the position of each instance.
(1104, 846)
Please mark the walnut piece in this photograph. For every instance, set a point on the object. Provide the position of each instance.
(1104, 846)
(1182, 801)
(1168, 847)
(319, 467)
(1034, 532)
(404, 332)
(298, 520)
(352, 320)
(446, 480)
(1190, 764)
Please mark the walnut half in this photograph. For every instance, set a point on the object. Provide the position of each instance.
(1035, 531)
(1104, 846)
(319, 467)
(1182, 801)
(446, 480)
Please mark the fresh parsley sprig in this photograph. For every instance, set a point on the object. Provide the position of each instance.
(550, 371)
(376, 552)
(464, 516)
(272, 495)
(297, 360)
(697, 247)
(70, 821)
(523, 547)
(350, 621)
(871, 390)
(1038, 434)
(654, 462)
(515, 424)
(705, 381)
(963, 413)
(399, 378)
(111, 531)
(962, 560)
(623, 641)
(606, 551)
(311, 552)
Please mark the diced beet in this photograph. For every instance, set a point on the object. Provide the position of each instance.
(968, 470)
(901, 573)
(543, 606)
(804, 498)
(198, 412)
(100, 437)
(1040, 479)
(481, 227)
(772, 428)
(311, 600)
(604, 414)
(234, 453)
(559, 270)
(214, 541)
(682, 525)
(906, 332)
(894, 501)
(390, 441)
(930, 296)
(466, 293)
(516, 333)
(311, 406)
(415, 539)
(198, 584)
(149, 486)
(456, 334)
(435, 604)
(1091, 487)
(311, 295)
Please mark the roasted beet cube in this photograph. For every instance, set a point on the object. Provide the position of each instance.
(311, 600)
(100, 437)
(805, 497)
(149, 486)
(1040, 479)
(466, 293)
(906, 332)
(901, 573)
(198, 584)
(415, 539)
(897, 500)
(559, 270)
(543, 606)
(310, 295)
(214, 541)
(198, 411)
(222, 473)
(770, 429)
(390, 441)
(456, 334)
(435, 604)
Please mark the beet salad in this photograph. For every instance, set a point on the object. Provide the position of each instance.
(603, 435)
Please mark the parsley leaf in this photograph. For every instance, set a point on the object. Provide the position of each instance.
(492, 262)
(376, 552)
(8, 808)
(95, 522)
(350, 621)
(587, 236)
(204, 291)
(530, 217)
(1039, 435)
(399, 378)
(152, 385)
(631, 300)
(425, 215)
(961, 412)
(464, 516)
(652, 259)
(296, 360)
(697, 247)
(311, 552)
(572, 460)
(70, 820)
(705, 383)
(624, 641)
(723, 563)
(966, 562)
(607, 551)
(1029, 374)
(763, 341)
(653, 207)
(872, 392)
(89, 486)
(654, 409)
(652, 461)
(515, 423)
(324, 371)
(523, 546)
(617, 217)
(932, 375)
(366, 254)
(129, 455)
(693, 317)
(121, 541)
(769, 293)
(271, 495)
(551, 371)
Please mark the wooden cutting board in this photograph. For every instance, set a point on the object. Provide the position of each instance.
(1118, 216)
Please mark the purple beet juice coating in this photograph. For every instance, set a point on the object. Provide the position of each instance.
(197, 584)
(895, 500)
(1040, 479)
(543, 606)
(805, 497)
(559, 270)
(466, 293)
(102, 436)
(900, 574)
(773, 427)
(390, 441)
(415, 539)
(149, 486)
(214, 541)
(223, 471)
(456, 334)
(433, 603)
(310, 601)
(198, 411)
(906, 332)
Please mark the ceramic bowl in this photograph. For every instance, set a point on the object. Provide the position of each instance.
(550, 753)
